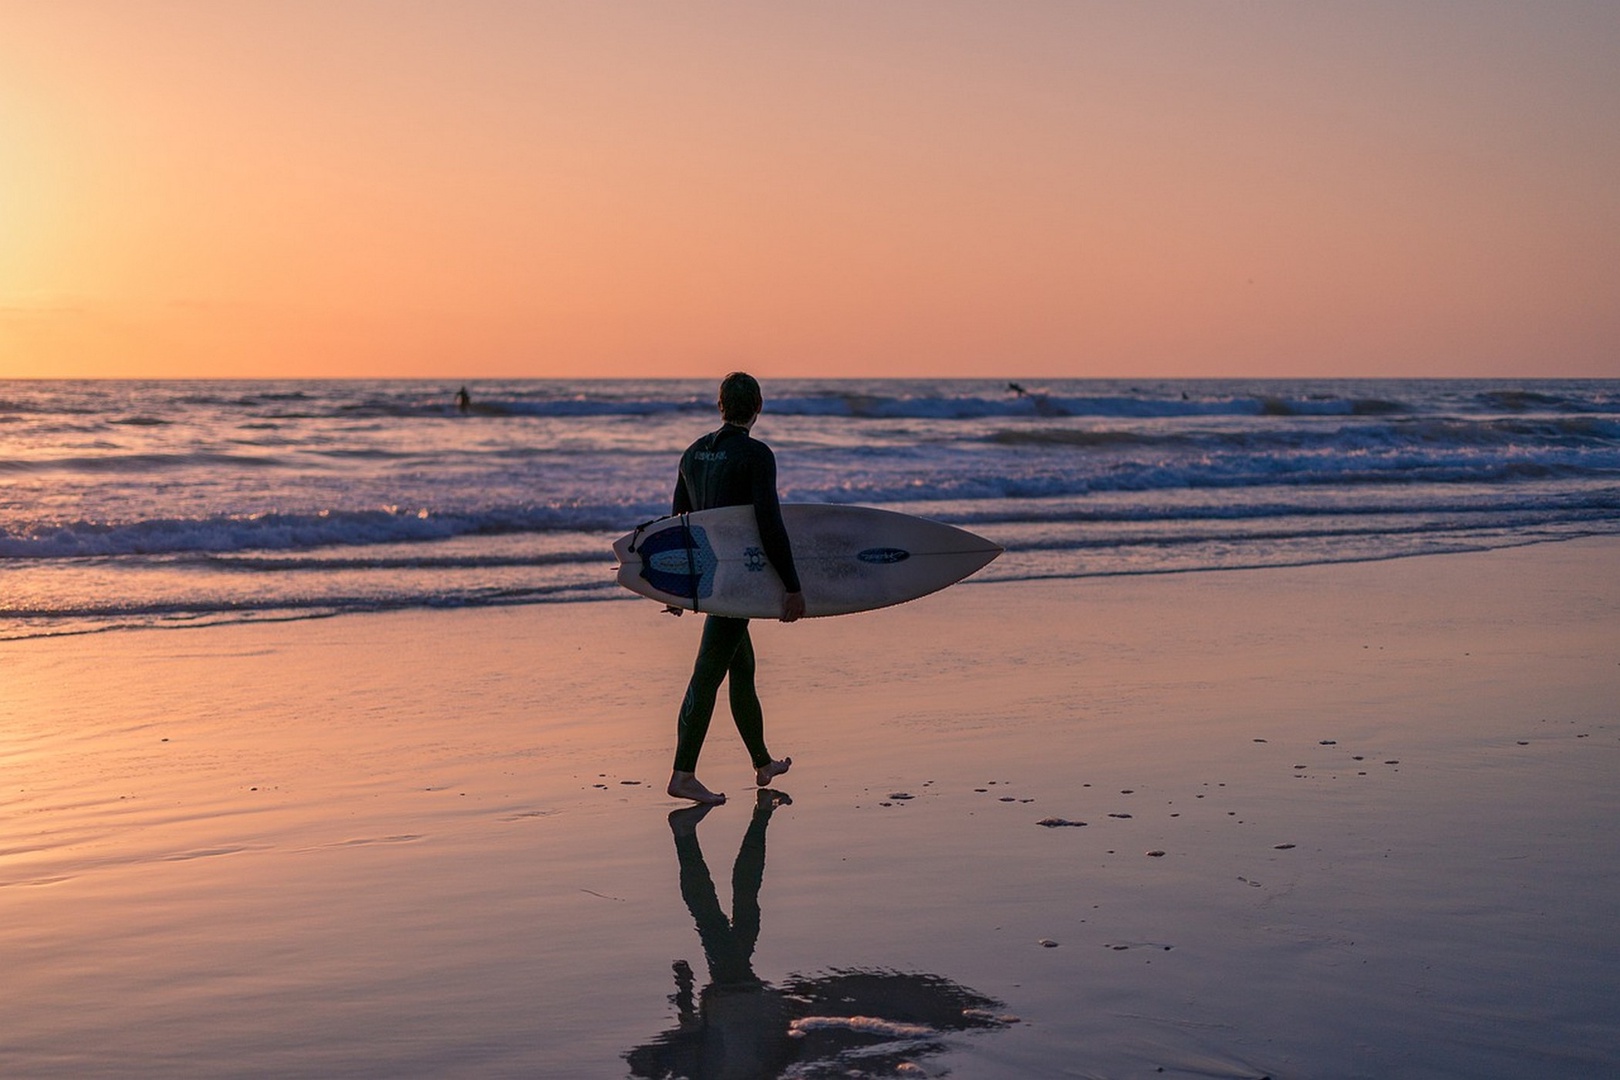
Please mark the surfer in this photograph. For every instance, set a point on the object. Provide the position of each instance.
(729, 467)
(463, 400)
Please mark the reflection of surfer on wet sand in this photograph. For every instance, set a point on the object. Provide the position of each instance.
(740, 1026)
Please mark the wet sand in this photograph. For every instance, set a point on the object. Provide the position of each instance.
(1343, 821)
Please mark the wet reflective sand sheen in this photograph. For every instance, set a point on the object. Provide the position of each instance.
(1339, 821)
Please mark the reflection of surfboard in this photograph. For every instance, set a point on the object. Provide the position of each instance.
(849, 558)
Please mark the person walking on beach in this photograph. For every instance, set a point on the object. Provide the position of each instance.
(729, 467)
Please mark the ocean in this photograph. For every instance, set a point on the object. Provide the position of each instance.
(181, 504)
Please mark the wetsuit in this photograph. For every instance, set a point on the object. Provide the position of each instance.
(728, 467)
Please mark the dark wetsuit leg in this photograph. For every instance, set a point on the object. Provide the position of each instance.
(745, 708)
(726, 650)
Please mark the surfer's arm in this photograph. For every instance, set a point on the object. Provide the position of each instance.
(773, 535)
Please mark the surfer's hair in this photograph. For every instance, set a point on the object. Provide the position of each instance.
(740, 399)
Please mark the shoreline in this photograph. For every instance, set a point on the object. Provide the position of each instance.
(435, 842)
(618, 595)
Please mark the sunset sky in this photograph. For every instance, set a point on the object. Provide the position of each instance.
(299, 188)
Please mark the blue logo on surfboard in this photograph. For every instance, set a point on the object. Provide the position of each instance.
(883, 555)
(679, 561)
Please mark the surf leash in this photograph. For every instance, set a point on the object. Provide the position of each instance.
(691, 561)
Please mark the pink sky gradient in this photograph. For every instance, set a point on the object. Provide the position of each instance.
(295, 188)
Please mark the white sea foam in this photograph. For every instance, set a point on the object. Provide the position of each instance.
(184, 498)
(865, 1025)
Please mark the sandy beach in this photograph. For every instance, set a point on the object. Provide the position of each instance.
(1338, 821)
(1271, 350)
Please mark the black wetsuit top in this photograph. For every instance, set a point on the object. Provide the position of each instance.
(731, 468)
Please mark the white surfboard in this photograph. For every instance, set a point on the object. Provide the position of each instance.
(849, 558)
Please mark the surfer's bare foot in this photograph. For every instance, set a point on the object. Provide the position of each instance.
(768, 772)
(685, 785)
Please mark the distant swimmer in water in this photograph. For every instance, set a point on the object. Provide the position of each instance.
(463, 400)
(1013, 387)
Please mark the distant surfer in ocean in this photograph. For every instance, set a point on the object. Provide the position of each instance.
(463, 400)
(728, 467)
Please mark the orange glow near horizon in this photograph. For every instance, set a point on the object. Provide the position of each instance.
(403, 189)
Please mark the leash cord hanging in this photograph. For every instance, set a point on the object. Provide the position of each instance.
(691, 561)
